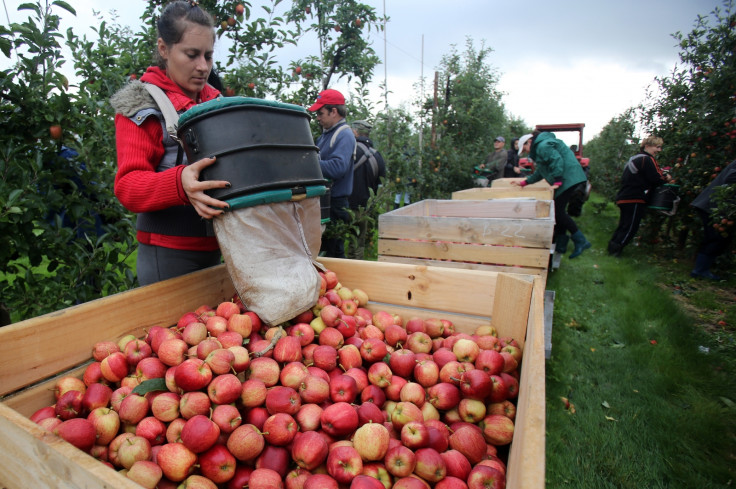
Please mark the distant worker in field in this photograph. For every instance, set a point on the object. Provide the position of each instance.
(640, 178)
(496, 161)
(716, 237)
(368, 170)
(512, 170)
(336, 153)
(556, 163)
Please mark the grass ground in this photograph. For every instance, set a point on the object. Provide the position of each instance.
(648, 371)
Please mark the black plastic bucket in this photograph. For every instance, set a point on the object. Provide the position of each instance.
(664, 197)
(259, 144)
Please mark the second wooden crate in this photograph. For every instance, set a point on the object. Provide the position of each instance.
(503, 235)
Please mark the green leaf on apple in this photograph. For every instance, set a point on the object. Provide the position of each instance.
(150, 385)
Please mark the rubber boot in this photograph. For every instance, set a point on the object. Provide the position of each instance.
(702, 267)
(581, 244)
(561, 241)
(614, 249)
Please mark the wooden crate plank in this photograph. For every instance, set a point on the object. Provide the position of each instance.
(507, 182)
(35, 458)
(489, 193)
(530, 233)
(419, 286)
(526, 465)
(461, 252)
(467, 266)
(509, 305)
(48, 350)
(503, 208)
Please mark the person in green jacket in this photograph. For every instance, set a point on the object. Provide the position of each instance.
(556, 163)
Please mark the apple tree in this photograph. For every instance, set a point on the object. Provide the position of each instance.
(693, 111)
(65, 238)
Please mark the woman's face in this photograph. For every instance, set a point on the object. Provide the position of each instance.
(188, 62)
(653, 150)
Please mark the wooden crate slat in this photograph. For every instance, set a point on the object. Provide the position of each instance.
(461, 252)
(530, 233)
(487, 193)
(48, 350)
(526, 467)
(35, 458)
(464, 265)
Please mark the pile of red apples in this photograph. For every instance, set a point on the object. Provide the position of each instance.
(339, 397)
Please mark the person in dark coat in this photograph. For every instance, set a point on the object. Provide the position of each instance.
(512, 170)
(368, 170)
(714, 242)
(640, 178)
(557, 165)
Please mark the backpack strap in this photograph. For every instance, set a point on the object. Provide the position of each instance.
(334, 138)
(171, 117)
(369, 155)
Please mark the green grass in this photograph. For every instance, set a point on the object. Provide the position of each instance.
(650, 408)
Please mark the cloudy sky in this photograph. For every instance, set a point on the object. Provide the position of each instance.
(565, 61)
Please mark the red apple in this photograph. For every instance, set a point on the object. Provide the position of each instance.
(484, 477)
(373, 350)
(194, 403)
(512, 385)
(192, 375)
(320, 481)
(80, 432)
(497, 429)
(152, 429)
(279, 429)
(457, 464)
(264, 368)
(339, 419)
(172, 351)
(101, 349)
(309, 450)
(344, 464)
(405, 412)
(430, 466)
(366, 481)
(427, 373)
(314, 389)
(419, 342)
(415, 435)
(106, 423)
(371, 441)
(246, 442)
(400, 461)
(199, 433)
(288, 349)
(469, 441)
(414, 393)
(217, 464)
(402, 362)
(207, 346)
(374, 395)
(136, 350)
(176, 461)
(443, 396)
(450, 482)
(325, 357)
(132, 450)
(146, 473)
(133, 409)
(224, 389)
(114, 367)
(379, 374)
(275, 458)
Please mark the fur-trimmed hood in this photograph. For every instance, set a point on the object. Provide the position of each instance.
(131, 99)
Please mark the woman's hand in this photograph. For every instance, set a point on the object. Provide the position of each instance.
(202, 203)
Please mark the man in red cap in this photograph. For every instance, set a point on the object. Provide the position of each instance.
(337, 151)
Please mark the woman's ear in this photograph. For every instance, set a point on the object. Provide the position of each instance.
(163, 49)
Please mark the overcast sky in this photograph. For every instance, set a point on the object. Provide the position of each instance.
(565, 61)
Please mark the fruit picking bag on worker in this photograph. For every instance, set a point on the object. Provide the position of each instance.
(269, 252)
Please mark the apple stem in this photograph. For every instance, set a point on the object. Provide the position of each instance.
(276, 338)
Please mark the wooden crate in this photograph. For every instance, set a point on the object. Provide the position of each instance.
(529, 192)
(502, 235)
(507, 182)
(35, 352)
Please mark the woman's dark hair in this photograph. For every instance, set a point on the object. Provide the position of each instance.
(172, 24)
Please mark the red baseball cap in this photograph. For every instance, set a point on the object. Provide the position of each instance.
(327, 97)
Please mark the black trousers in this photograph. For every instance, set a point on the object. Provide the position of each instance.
(156, 263)
(628, 222)
(335, 247)
(563, 222)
